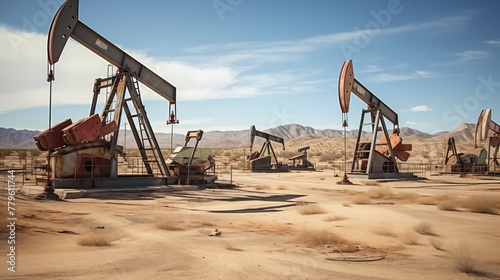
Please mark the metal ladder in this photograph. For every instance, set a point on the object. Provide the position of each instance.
(143, 133)
(363, 152)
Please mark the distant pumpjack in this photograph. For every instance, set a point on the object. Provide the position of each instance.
(265, 160)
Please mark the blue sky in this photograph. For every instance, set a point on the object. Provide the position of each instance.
(237, 63)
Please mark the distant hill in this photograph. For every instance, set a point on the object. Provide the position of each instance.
(23, 139)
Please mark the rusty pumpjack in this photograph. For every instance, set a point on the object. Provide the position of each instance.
(79, 154)
(373, 159)
(190, 164)
(265, 160)
(483, 127)
(464, 163)
(300, 162)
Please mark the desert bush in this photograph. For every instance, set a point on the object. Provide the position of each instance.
(481, 204)
(361, 199)
(35, 152)
(230, 247)
(462, 256)
(311, 209)
(380, 192)
(94, 240)
(305, 208)
(319, 238)
(351, 191)
(262, 187)
(170, 224)
(436, 243)
(408, 196)
(385, 231)
(330, 157)
(409, 238)
(371, 183)
(424, 228)
(333, 219)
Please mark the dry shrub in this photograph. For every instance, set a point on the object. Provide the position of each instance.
(361, 199)
(262, 188)
(385, 231)
(305, 208)
(447, 205)
(319, 238)
(426, 200)
(94, 240)
(230, 247)
(410, 238)
(371, 183)
(463, 258)
(436, 243)
(424, 228)
(170, 224)
(333, 219)
(409, 196)
(282, 188)
(481, 204)
(380, 192)
(351, 191)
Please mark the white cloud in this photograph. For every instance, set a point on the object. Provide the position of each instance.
(411, 123)
(471, 55)
(384, 77)
(495, 42)
(418, 108)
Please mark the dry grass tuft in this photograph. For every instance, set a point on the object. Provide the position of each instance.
(319, 238)
(262, 188)
(282, 188)
(306, 208)
(230, 247)
(410, 238)
(94, 240)
(481, 204)
(424, 228)
(426, 200)
(409, 196)
(351, 191)
(170, 224)
(463, 258)
(380, 192)
(437, 243)
(371, 183)
(385, 231)
(361, 199)
(333, 219)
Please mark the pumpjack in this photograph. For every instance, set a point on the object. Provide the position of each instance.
(265, 160)
(373, 158)
(300, 162)
(85, 153)
(190, 164)
(483, 127)
(464, 163)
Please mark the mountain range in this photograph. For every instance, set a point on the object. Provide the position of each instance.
(11, 138)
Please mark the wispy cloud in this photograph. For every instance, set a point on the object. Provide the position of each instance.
(418, 108)
(472, 55)
(411, 123)
(385, 77)
(495, 42)
(275, 51)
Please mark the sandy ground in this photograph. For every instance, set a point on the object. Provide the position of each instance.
(297, 225)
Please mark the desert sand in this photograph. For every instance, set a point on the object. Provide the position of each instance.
(297, 225)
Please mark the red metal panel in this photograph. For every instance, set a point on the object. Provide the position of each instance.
(84, 130)
(53, 137)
